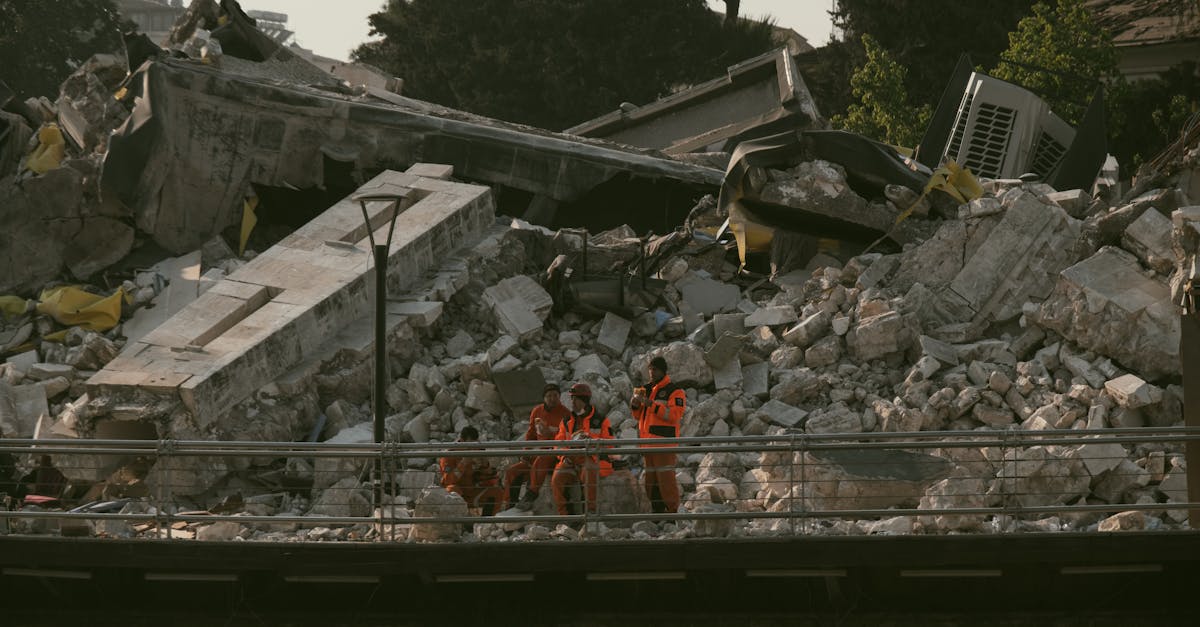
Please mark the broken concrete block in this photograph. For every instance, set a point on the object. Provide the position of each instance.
(436, 502)
(707, 296)
(1131, 392)
(419, 313)
(590, 367)
(840, 325)
(100, 243)
(1149, 238)
(808, 330)
(1101, 457)
(1075, 201)
(992, 416)
(21, 406)
(780, 413)
(733, 323)
(1107, 305)
(878, 336)
(1081, 368)
(483, 396)
(42, 371)
(460, 344)
(755, 380)
(826, 352)
(518, 320)
(771, 316)
(1125, 521)
(802, 385)
(614, 333)
(837, 419)
(727, 375)
(724, 350)
(501, 348)
(762, 340)
(523, 289)
(24, 361)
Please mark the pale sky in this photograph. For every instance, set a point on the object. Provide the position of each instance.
(333, 29)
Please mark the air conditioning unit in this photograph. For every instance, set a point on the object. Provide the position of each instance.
(1003, 131)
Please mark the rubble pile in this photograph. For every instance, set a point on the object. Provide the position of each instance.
(1023, 309)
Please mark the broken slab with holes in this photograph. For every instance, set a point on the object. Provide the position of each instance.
(285, 305)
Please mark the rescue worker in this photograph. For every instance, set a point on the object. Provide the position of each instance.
(584, 470)
(659, 412)
(532, 471)
(472, 478)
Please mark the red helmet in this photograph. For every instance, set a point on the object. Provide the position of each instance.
(581, 389)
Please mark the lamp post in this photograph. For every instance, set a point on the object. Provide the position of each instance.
(395, 195)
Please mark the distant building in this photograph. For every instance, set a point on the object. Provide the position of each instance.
(1150, 36)
(274, 25)
(153, 17)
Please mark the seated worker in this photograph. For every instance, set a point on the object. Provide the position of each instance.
(472, 478)
(532, 470)
(584, 470)
(44, 481)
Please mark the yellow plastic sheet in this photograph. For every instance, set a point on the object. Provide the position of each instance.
(12, 306)
(50, 150)
(956, 181)
(75, 307)
(249, 219)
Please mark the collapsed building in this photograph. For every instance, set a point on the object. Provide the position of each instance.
(881, 302)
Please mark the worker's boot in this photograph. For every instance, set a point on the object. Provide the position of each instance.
(527, 500)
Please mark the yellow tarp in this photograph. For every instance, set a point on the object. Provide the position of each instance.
(50, 150)
(12, 306)
(956, 181)
(75, 307)
(249, 219)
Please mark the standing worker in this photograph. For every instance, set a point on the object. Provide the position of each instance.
(583, 424)
(544, 422)
(659, 413)
(472, 478)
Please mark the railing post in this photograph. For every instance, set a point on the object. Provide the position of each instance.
(792, 482)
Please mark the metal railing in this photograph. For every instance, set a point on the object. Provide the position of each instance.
(787, 484)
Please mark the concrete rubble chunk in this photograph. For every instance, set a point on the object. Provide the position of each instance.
(808, 330)
(800, 386)
(24, 361)
(183, 286)
(501, 348)
(825, 352)
(878, 336)
(780, 413)
(728, 375)
(1101, 457)
(733, 323)
(43, 371)
(755, 381)
(771, 316)
(614, 333)
(870, 479)
(834, 420)
(939, 350)
(518, 320)
(483, 396)
(1017, 263)
(1074, 201)
(418, 313)
(1131, 392)
(589, 367)
(725, 349)
(1149, 239)
(436, 502)
(460, 344)
(708, 296)
(1124, 521)
(1107, 305)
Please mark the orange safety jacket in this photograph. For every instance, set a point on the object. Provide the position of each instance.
(594, 425)
(466, 471)
(551, 418)
(662, 414)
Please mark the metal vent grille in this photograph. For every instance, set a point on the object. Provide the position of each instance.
(1047, 152)
(989, 139)
(960, 127)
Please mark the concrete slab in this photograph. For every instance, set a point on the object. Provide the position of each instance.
(183, 286)
(287, 306)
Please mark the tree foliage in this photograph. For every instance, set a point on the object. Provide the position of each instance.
(1060, 54)
(1147, 115)
(883, 110)
(554, 63)
(43, 41)
(927, 37)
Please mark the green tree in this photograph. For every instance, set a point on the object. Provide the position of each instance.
(1145, 116)
(927, 37)
(554, 63)
(1061, 54)
(883, 110)
(43, 41)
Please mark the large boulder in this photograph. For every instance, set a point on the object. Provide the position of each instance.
(436, 502)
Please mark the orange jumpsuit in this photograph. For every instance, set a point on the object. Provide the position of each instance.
(535, 468)
(660, 417)
(474, 480)
(584, 469)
